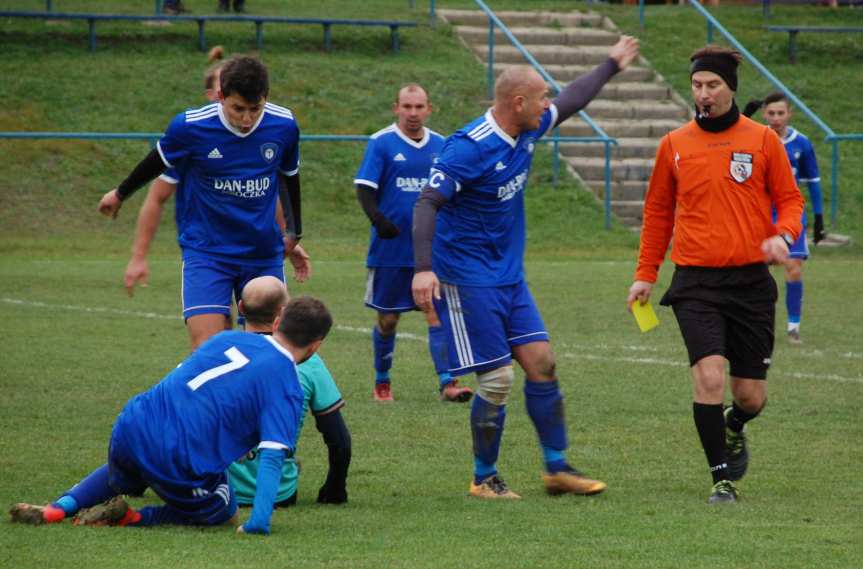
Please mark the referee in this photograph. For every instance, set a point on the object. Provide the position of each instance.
(712, 187)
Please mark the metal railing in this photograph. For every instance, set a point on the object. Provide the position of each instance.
(555, 139)
(829, 135)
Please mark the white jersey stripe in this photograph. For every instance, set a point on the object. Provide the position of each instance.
(370, 287)
(279, 114)
(162, 154)
(480, 132)
(204, 109)
(279, 108)
(382, 131)
(459, 329)
(459, 347)
(480, 126)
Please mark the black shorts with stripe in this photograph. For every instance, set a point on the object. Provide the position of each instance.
(726, 311)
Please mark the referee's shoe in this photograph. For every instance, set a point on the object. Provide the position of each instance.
(735, 450)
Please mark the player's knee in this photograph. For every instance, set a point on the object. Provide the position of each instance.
(387, 322)
(495, 385)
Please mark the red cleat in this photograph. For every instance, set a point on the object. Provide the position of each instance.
(36, 515)
(383, 392)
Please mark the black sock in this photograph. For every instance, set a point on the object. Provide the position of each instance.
(710, 422)
(739, 417)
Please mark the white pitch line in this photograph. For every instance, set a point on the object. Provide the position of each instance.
(415, 337)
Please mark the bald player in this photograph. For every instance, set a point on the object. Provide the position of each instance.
(262, 301)
(469, 239)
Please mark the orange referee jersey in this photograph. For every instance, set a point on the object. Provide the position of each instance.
(713, 192)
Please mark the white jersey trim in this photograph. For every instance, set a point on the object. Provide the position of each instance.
(203, 116)
(364, 182)
(480, 131)
(162, 154)
(554, 114)
(489, 116)
(278, 110)
(383, 131)
(290, 173)
(460, 334)
(237, 131)
(273, 445)
(411, 141)
(790, 135)
(169, 179)
(279, 347)
(810, 179)
(206, 306)
(202, 110)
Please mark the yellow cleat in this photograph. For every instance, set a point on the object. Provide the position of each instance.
(572, 482)
(493, 488)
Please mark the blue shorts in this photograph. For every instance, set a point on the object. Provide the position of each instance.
(483, 324)
(208, 284)
(388, 289)
(800, 248)
(208, 501)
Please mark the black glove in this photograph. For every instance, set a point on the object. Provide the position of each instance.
(751, 107)
(327, 495)
(385, 228)
(818, 230)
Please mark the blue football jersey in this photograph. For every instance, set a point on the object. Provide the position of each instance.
(480, 232)
(236, 392)
(397, 168)
(226, 197)
(801, 154)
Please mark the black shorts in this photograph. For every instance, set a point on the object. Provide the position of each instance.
(728, 311)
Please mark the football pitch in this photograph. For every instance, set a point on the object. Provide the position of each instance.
(76, 348)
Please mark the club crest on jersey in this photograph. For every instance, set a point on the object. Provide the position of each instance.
(741, 166)
(529, 144)
(268, 151)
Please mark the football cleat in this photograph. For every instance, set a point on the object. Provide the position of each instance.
(36, 515)
(571, 481)
(455, 393)
(493, 488)
(736, 451)
(794, 337)
(114, 512)
(724, 492)
(383, 392)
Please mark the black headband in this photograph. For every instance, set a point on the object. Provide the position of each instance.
(723, 65)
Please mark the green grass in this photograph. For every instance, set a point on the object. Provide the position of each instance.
(76, 347)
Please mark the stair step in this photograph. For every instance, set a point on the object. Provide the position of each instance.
(478, 35)
(546, 54)
(563, 74)
(607, 109)
(515, 19)
(627, 190)
(627, 128)
(629, 169)
(626, 148)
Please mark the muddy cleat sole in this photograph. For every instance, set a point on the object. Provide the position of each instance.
(493, 488)
(572, 482)
(114, 512)
(455, 393)
(735, 451)
(383, 392)
(35, 515)
(724, 492)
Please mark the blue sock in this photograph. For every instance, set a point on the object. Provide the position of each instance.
(384, 346)
(794, 300)
(439, 350)
(545, 407)
(157, 515)
(68, 504)
(486, 425)
(92, 490)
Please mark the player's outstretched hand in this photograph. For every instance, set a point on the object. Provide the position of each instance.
(109, 205)
(624, 51)
(818, 231)
(301, 262)
(775, 250)
(639, 291)
(425, 287)
(327, 495)
(137, 272)
(385, 228)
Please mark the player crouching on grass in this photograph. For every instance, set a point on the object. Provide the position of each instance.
(236, 392)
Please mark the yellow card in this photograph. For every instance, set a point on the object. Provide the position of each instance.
(644, 316)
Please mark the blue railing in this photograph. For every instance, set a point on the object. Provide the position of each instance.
(829, 135)
(555, 139)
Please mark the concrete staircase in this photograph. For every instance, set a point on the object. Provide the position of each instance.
(637, 107)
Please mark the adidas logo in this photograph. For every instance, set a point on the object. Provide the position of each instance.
(499, 166)
(399, 157)
(214, 153)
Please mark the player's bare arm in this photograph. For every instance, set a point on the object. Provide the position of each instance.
(301, 262)
(138, 268)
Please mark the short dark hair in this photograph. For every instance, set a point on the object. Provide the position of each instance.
(775, 97)
(245, 76)
(305, 320)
